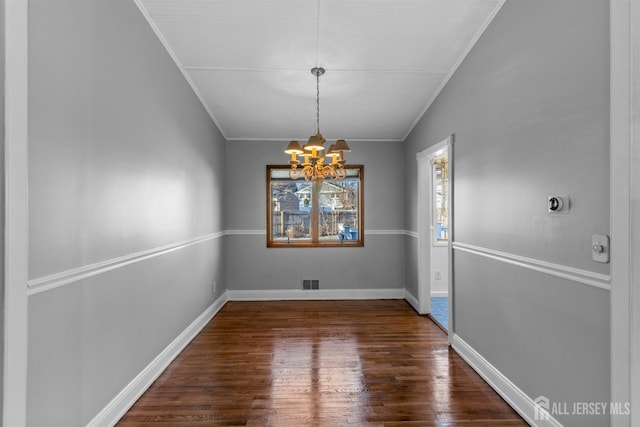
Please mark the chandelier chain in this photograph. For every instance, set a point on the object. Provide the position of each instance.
(318, 102)
(315, 155)
(318, 33)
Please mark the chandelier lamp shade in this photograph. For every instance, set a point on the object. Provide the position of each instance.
(317, 163)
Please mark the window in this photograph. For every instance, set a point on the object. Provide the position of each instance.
(306, 213)
(440, 201)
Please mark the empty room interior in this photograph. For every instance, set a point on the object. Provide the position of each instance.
(449, 184)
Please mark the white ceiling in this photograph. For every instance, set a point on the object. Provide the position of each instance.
(249, 61)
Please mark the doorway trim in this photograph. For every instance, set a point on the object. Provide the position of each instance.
(425, 228)
(625, 193)
(14, 411)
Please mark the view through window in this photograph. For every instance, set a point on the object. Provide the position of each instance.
(440, 200)
(314, 213)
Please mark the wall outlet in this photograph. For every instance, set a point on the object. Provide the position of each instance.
(213, 287)
(438, 275)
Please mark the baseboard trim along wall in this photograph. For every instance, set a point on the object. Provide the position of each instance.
(516, 398)
(124, 400)
(120, 404)
(318, 294)
(585, 277)
(413, 301)
(56, 280)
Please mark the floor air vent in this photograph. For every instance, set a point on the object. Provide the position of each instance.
(308, 284)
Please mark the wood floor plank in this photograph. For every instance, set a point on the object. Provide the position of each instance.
(320, 363)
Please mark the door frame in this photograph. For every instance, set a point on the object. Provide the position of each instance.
(425, 226)
(14, 393)
(624, 197)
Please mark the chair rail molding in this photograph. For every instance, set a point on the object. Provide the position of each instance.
(56, 280)
(602, 281)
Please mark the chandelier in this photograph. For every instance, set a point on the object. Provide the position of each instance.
(313, 168)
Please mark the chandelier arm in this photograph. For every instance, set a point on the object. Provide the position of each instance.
(330, 171)
(318, 170)
(295, 173)
(308, 173)
(326, 171)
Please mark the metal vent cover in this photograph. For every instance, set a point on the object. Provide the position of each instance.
(309, 284)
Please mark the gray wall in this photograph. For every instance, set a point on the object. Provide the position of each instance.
(529, 110)
(635, 203)
(377, 265)
(2, 201)
(122, 159)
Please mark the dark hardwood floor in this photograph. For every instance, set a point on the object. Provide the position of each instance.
(320, 363)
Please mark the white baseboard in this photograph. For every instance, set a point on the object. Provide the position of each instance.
(439, 294)
(413, 301)
(120, 404)
(516, 398)
(319, 294)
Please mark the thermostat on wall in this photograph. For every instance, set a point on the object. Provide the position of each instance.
(558, 204)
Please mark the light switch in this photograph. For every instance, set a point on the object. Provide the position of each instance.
(600, 248)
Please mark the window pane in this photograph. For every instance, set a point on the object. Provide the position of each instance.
(290, 209)
(338, 209)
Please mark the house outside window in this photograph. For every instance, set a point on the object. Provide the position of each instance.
(324, 213)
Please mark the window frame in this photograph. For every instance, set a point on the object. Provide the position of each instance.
(316, 241)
